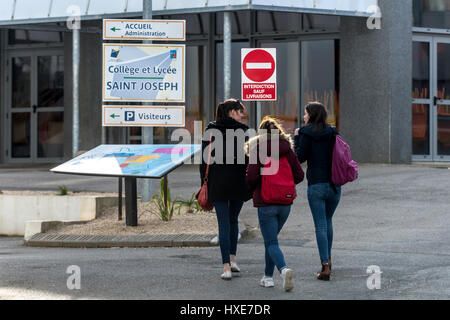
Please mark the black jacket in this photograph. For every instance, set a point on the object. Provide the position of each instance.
(317, 149)
(225, 181)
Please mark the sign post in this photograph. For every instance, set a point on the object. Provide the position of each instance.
(147, 133)
(259, 75)
(143, 73)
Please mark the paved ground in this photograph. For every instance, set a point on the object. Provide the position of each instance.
(394, 217)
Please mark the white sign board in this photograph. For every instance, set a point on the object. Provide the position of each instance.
(259, 74)
(144, 72)
(161, 116)
(118, 29)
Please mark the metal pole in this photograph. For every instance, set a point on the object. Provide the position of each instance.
(227, 54)
(258, 113)
(147, 133)
(75, 89)
(120, 199)
(103, 135)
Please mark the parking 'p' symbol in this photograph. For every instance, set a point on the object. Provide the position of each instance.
(129, 115)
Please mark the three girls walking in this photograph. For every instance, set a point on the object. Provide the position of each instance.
(231, 183)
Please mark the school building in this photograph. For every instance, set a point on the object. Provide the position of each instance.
(385, 83)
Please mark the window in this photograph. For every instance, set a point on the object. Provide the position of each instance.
(196, 24)
(286, 108)
(432, 14)
(195, 62)
(319, 76)
(33, 36)
(271, 21)
(134, 135)
(421, 70)
(322, 22)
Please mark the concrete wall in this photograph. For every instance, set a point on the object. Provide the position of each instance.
(376, 73)
(16, 210)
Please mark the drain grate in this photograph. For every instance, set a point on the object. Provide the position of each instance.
(161, 240)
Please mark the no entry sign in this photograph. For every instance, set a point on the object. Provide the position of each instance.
(259, 75)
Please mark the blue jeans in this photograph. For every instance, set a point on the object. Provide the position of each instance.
(271, 220)
(323, 201)
(227, 218)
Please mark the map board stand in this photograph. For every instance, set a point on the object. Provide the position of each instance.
(131, 209)
(131, 202)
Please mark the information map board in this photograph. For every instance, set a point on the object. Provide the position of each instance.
(137, 161)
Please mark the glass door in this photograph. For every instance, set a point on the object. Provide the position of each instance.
(431, 99)
(422, 99)
(35, 106)
(441, 103)
(20, 103)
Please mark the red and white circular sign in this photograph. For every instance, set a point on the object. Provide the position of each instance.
(259, 74)
(258, 65)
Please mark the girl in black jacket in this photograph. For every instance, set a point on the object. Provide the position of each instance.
(314, 143)
(227, 188)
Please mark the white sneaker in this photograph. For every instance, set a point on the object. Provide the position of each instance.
(266, 282)
(226, 275)
(288, 279)
(234, 267)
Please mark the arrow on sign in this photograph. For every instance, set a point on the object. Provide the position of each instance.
(114, 29)
(114, 116)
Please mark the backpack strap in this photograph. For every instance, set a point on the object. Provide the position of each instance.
(209, 159)
(330, 159)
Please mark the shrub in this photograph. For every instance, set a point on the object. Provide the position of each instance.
(191, 204)
(62, 191)
(165, 213)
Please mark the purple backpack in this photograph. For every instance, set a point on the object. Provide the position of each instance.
(343, 168)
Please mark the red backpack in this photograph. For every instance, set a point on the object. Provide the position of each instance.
(278, 187)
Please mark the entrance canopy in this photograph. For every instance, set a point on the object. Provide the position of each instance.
(38, 11)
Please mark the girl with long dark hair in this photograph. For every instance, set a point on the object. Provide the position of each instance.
(314, 143)
(227, 188)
